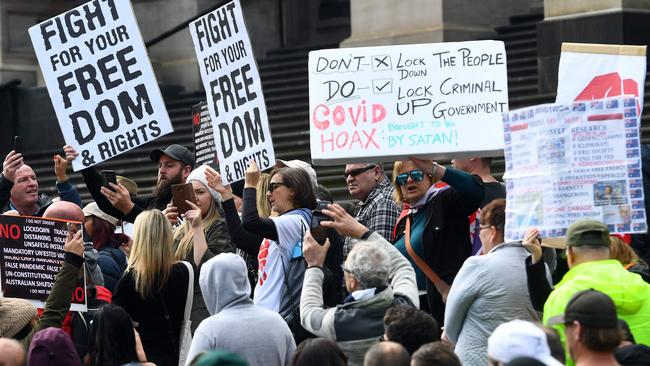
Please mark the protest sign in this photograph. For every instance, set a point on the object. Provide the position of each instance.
(605, 71)
(205, 152)
(100, 80)
(234, 91)
(428, 100)
(32, 255)
(566, 162)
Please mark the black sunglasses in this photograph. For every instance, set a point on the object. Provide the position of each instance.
(416, 175)
(356, 172)
(274, 185)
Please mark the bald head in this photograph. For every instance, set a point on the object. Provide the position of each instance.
(11, 353)
(64, 210)
(387, 353)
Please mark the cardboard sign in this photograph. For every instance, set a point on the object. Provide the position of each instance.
(605, 71)
(100, 80)
(373, 104)
(205, 152)
(234, 91)
(566, 162)
(31, 256)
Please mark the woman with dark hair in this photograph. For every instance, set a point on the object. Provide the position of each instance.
(489, 290)
(100, 227)
(291, 195)
(319, 352)
(113, 340)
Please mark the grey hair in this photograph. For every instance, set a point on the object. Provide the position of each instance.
(369, 264)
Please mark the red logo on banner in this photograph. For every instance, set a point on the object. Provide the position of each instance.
(609, 85)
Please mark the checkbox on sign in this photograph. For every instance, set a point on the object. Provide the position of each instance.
(382, 86)
(381, 63)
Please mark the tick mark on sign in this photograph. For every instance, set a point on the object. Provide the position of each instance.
(382, 86)
(381, 63)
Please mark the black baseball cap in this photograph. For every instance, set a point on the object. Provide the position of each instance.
(176, 152)
(590, 308)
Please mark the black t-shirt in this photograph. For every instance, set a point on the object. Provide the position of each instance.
(149, 313)
(493, 190)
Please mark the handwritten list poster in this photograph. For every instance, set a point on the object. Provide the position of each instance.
(428, 100)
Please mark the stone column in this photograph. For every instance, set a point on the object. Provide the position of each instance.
(587, 21)
(385, 22)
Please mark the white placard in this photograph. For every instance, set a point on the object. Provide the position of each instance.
(100, 80)
(605, 71)
(427, 100)
(233, 90)
(566, 162)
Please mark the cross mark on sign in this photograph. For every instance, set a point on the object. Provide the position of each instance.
(381, 63)
(382, 86)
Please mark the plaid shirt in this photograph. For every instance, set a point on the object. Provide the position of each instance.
(378, 213)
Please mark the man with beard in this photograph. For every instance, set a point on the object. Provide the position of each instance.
(174, 165)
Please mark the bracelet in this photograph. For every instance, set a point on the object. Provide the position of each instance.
(434, 169)
(366, 235)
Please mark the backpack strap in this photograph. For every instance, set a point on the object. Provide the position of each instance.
(441, 286)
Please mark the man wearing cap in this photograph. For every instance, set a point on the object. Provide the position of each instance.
(587, 251)
(174, 165)
(376, 210)
(591, 328)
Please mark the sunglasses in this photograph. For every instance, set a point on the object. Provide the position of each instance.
(356, 172)
(416, 175)
(274, 185)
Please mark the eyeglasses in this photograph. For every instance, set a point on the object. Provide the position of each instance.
(356, 172)
(484, 227)
(274, 185)
(416, 175)
(345, 269)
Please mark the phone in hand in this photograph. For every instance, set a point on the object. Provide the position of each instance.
(108, 176)
(318, 231)
(18, 144)
(181, 193)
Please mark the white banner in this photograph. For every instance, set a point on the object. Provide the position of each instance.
(233, 90)
(427, 100)
(605, 71)
(100, 80)
(566, 162)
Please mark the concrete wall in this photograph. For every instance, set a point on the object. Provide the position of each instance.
(384, 22)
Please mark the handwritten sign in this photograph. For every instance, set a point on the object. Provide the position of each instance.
(605, 71)
(233, 90)
(427, 100)
(566, 162)
(205, 152)
(32, 255)
(100, 80)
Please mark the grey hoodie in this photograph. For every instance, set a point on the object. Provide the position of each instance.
(236, 324)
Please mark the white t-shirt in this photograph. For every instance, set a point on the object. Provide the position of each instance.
(272, 255)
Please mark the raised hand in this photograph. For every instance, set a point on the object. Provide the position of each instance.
(253, 175)
(12, 162)
(119, 197)
(60, 168)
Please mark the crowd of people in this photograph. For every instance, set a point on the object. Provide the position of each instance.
(410, 271)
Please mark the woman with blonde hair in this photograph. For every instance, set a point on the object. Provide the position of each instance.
(432, 232)
(209, 239)
(153, 289)
(624, 253)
